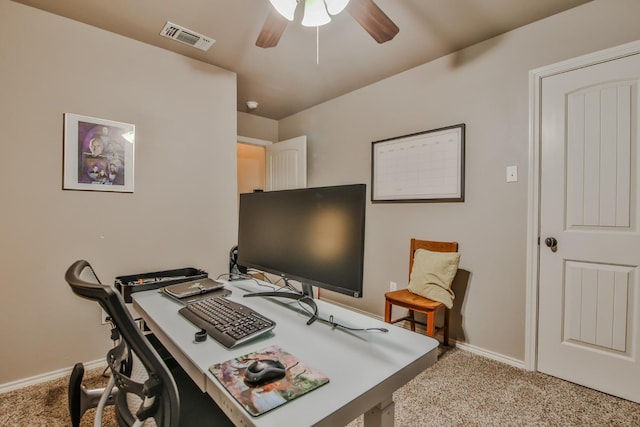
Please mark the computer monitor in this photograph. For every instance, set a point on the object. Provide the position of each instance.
(311, 235)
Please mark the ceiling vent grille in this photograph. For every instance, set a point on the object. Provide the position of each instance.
(186, 36)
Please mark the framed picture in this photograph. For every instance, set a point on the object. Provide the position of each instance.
(421, 167)
(98, 154)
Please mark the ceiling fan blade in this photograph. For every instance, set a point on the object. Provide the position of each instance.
(373, 20)
(272, 29)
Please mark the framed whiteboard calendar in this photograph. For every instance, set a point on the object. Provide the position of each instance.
(421, 167)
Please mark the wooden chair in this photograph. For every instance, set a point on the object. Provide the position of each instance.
(416, 303)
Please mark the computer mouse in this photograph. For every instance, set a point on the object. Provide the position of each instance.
(264, 371)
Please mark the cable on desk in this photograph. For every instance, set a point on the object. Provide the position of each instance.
(348, 328)
(335, 325)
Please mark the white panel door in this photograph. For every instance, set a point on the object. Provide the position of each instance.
(287, 164)
(589, 295)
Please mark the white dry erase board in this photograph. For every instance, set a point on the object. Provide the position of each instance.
(421, 167)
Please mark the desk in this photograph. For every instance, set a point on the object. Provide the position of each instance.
(364, 368)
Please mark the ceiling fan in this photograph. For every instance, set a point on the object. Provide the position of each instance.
(316, 13)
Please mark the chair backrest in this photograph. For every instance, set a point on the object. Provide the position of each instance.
(430, 246)
(159, 387)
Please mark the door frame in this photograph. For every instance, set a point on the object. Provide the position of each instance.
(533, 211)
(253, 141)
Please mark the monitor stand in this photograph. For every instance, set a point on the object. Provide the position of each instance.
(307, 290)
(306, 296)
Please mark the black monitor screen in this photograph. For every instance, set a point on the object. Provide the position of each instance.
(313, 235)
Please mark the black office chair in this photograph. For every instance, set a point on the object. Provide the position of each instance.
(141, 385)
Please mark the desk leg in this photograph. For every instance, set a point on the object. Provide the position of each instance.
(381, 415)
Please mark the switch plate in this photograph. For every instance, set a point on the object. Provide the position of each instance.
(393, 286)
(103, 317)
(512, 173)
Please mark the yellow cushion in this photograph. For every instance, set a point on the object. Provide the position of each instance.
(432, 274)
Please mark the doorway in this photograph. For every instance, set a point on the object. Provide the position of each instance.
(583, 292)
(263, 165)
(251, 167)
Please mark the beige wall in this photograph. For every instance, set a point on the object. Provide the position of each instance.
(486, 87)
(252, 126)
(185, 117)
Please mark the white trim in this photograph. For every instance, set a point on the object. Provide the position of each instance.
(490, 355)
(253, 141)
(531, 291)
(533, 213)
(48, 376)
(610, 54)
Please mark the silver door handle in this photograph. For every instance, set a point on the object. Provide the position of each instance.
(551, 243)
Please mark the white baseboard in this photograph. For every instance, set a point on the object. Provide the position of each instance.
(489, 354)
(54, 375)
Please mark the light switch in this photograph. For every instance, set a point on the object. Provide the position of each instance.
(512, 173)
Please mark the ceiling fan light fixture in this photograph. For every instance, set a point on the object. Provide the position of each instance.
(315, 13)
(286, 8)
(334, 7)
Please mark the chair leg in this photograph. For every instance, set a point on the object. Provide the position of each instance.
(445, 328)
(431, 324)
(412, 320)
(387, 311)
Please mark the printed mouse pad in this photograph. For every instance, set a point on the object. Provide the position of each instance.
(265, 387)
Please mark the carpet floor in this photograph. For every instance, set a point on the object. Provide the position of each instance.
(461, 389)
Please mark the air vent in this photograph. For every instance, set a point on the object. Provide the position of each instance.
(186, 36)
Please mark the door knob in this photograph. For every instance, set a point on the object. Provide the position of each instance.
(552, 243)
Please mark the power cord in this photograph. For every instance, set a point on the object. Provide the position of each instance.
(335, 324)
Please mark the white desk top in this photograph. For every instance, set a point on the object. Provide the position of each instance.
(364, 368)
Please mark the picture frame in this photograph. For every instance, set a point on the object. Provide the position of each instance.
(420, 167)
(98, 154)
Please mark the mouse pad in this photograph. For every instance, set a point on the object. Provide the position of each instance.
(299, 379)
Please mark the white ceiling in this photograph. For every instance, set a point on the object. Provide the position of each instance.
(286, 79)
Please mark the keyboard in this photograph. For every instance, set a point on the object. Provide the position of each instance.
(228, 322)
